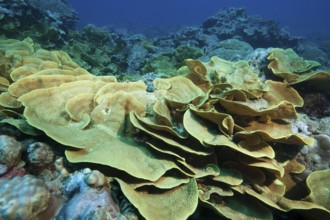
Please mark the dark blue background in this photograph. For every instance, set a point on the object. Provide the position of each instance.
(302, 17)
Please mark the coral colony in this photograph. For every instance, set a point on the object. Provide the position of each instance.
(192, 134)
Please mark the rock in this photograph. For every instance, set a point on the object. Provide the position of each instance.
(90, 197)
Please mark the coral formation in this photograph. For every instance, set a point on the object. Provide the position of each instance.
(230, 49)
(23, 198)
(235, 23)
(10, 153)
(48, 22)
(312, 51)
(40, 155)
(318, 183)
(258, 61)
(294, 69)
(91, 199)
(232, 23)
(104, 51)
(215, 135)
(318, 157)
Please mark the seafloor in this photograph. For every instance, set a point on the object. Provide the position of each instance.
(226, 120)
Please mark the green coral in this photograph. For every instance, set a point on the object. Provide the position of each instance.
(160, 64)
(168, 63)
(294, 69)
(93, 48)
(184, 52)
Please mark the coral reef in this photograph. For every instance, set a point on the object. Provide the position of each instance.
(233, 35)
(312, 51)
(235, 23)
(230, 35)
(232, 23)
(217, 135)
(230, 49)
(97, 50)
(211, 124)
(104, 51)
(47, 22)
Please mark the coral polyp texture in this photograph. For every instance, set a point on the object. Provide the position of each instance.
(216, 135)
(23, 197)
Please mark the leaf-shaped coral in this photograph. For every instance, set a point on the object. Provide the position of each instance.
(319, 185)
(177, 203)
(294, 69)
(107, 123)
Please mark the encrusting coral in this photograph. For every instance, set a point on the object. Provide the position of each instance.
(216, 135)
(23, 197)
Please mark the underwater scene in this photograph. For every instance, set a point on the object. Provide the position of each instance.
(164, 110)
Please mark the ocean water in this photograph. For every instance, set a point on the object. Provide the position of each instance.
(302, 17)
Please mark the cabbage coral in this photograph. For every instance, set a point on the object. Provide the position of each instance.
(294, 69)
(215, 136)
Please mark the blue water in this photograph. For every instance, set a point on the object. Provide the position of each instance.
(309, 18)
